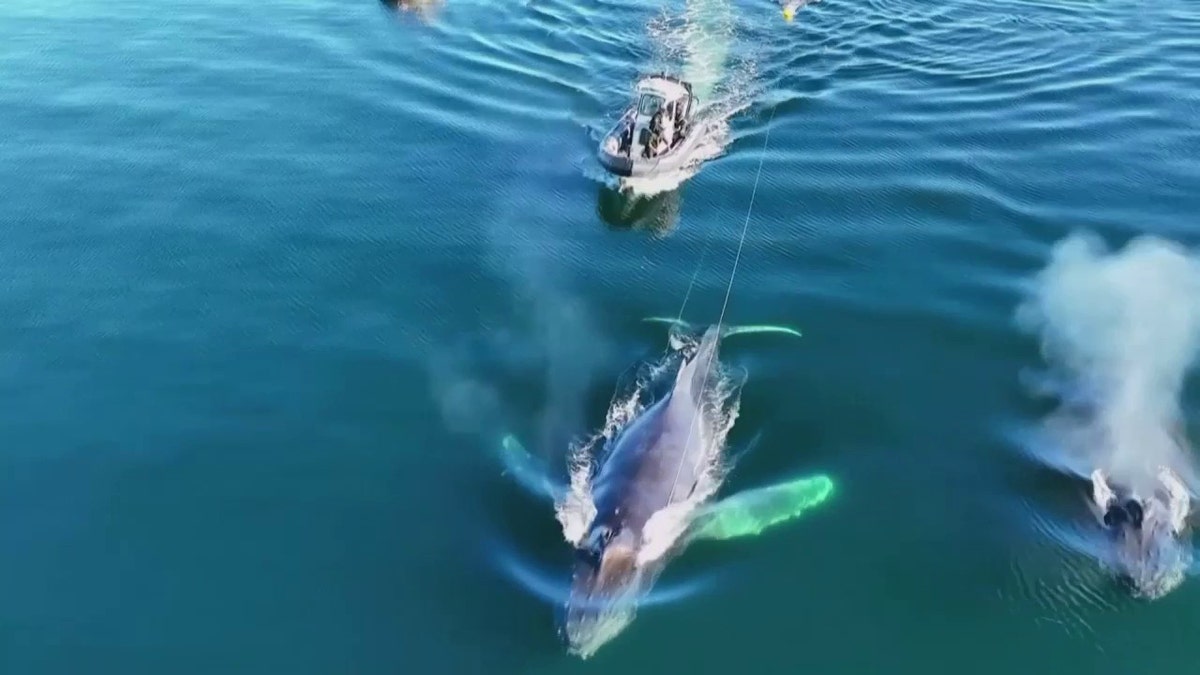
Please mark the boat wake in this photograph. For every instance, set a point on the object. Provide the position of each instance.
(697, 45)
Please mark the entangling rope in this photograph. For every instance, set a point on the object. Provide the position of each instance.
(728, 290)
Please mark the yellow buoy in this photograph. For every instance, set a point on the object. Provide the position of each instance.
(788, 13)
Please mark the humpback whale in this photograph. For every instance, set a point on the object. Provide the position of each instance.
(645, 484)
(649, 496)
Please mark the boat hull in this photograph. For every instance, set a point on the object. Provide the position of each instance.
(677, 158)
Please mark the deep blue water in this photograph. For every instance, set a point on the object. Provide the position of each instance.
(276, 275)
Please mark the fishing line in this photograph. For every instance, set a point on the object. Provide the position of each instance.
(728, 290)
(692, 283)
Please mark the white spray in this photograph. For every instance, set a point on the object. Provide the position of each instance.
(1123, 329)
(549, 330)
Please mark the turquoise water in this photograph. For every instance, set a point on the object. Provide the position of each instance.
(278, 276)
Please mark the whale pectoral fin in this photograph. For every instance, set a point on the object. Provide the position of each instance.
(1102, 494)
(752, 512)
(1179, 500)
(727, 331)
(527, 470)
(763, 328)
(675, 323)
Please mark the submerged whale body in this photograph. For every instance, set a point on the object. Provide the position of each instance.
(652, 470)
(1151, 543)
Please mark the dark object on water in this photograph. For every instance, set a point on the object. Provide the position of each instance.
(1130, 512)
(657, 214)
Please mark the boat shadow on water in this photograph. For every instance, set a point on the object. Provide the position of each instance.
(657, 214)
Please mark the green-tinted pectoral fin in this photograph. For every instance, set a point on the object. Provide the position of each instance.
(528, 470)
(752, 512)
(727, 331)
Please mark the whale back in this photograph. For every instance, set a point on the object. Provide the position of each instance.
(658, 457)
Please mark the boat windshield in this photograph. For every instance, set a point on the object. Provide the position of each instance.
(649, 104)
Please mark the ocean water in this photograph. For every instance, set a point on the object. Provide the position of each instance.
(277, 276)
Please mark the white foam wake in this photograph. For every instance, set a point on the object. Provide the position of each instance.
(697, 45)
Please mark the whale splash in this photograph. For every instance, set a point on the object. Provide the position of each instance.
(1120, 331)
(619, 508)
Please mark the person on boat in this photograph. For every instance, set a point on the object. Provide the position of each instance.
(626, 138)
(655, 140)
(668, 127)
